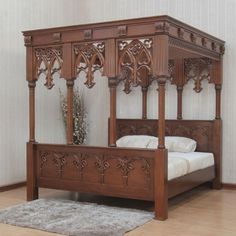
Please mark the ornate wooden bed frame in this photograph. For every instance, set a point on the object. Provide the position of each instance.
(136, 52)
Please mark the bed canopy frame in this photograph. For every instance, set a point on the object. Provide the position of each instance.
(136, 52)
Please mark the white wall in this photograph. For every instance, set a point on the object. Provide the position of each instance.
(16, 16)
(213, 16)
(216, 17)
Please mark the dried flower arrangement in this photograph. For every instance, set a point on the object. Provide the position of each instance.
(80, 127)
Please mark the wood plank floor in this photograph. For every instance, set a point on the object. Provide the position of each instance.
(201, 212)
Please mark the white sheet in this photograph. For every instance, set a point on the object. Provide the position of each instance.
(180, 164)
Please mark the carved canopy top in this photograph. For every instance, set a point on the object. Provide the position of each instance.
(127, 28)
(124, 49)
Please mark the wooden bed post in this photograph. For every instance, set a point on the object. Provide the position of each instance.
(110, 72)
(160, 71)
(144, 102)
(70, 85)
(31, 85)
(32, 189)
(145, 78)
(179, 102)
(179, 81)
(112, 129)
(161, 161)
(218, 101)
(217, 183)
(69, 75)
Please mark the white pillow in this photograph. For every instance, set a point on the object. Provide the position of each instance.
(139, 141)
(175, 144)
(154, 143)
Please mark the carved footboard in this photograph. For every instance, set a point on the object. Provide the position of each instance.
(107, 171)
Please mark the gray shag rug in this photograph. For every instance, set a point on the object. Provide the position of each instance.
(74, 218)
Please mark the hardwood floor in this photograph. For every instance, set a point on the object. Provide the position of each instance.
(201, 212)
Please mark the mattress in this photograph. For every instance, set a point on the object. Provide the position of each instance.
(180, 163)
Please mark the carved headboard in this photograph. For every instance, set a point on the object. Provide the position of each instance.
(200, 130)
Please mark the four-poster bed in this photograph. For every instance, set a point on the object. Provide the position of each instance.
(136, 52)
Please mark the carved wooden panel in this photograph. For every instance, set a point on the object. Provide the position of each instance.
(97, 166)
(48, 62)
(89, 57)
(197, 69)
(134, 60)
(201, 131)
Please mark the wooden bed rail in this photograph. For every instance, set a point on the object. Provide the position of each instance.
(127, 172)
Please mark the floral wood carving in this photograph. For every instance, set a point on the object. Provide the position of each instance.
(198, 70)
(185, 131)
(89, 58)
(147, 170)
(199, 133)
(202, 134)
(126, 165)
(171, 68)
(102, 165)
(128, 129)
(48, 62)
(43, 155)
(135, 59)
(80, 163)
(59, 159)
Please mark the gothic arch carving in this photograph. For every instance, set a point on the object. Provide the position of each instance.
(48, 62)
(198, 70)
(135, 59)
(89, 58)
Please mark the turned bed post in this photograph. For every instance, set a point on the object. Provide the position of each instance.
(112, 135)
(217, 139)
(70, 86)
(179, 81)
(218, 101)
(68, 73)
(144, 102)
(179, 102)
(145, 78)
(160, 71)
(110, 72)
(32, 189)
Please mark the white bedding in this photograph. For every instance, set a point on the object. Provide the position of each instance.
(180, 164)
(182, 159)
